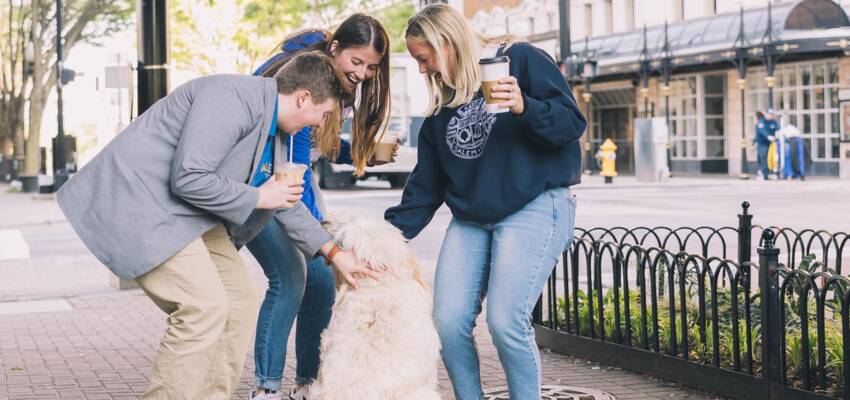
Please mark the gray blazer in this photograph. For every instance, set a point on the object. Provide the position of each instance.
(177, 171)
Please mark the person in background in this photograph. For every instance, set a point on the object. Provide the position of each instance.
(796, 158)
(766, 128)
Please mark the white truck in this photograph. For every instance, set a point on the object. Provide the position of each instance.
(409, 95)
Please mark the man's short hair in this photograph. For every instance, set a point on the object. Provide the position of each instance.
(313, 71)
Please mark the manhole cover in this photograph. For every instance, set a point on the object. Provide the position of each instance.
(549, 392)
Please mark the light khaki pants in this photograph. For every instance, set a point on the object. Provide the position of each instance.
(212, 310)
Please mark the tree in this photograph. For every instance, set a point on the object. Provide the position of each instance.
(13, 30)
(201, 36)
(394, 19)
(34, 21)
(264, 24)
(261, 25)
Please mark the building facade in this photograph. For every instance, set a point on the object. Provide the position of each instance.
(691, 66)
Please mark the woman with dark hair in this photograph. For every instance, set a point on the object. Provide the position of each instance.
(298, 285)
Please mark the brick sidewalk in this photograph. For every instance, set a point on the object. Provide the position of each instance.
(104, 348)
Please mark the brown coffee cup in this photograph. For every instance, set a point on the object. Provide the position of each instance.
(493, 69)
(384, 149)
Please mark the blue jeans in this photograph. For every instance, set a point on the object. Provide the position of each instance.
(295, 288)
(510, 260)
(313, 317)
(762, 159)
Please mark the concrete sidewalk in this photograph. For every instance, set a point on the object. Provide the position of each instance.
(23, 209)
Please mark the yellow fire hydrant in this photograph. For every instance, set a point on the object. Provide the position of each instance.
(607, 156)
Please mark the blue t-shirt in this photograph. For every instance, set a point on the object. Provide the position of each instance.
(266, 167)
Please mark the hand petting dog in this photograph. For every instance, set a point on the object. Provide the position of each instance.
(348, 267)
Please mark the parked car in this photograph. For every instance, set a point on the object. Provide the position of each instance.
(338, 176)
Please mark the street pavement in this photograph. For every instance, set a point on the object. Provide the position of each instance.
(66, 333)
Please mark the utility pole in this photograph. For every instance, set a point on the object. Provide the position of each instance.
(153, 52)
(566, 51)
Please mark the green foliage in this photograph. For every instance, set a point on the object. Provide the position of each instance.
(210, 36)
(394, 19)
(264, 24)
(701, 344)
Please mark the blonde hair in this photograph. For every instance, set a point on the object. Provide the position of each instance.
(439, 26)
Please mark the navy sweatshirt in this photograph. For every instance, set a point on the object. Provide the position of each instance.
(489, 166)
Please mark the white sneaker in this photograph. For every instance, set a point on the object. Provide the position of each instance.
(265, 395)
(299, 394)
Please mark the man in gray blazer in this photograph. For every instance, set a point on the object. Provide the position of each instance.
(169, 201)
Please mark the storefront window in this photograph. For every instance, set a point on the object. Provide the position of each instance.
(683, 116)
(811, 106)
(715, 122)
(833, 72)
(697, 121)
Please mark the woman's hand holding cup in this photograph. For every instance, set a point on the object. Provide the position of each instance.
(509, 91)
(386, 150)
(496, 84)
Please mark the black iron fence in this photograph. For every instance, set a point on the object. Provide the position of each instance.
(688, 304)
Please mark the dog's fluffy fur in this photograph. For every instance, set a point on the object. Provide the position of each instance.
(381, 343)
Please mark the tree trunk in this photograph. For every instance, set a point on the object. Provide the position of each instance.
(6, 147)
(33, 161)
(5, 136)
(18, 127)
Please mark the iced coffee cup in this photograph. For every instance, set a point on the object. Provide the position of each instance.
(385, 147)
(492, 70)
(289, 172)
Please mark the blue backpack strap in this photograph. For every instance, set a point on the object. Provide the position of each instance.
(293, 44)
(303, 40)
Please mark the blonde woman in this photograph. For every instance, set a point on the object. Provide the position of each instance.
(506, 179)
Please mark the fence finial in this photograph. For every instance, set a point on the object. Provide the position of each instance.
(746, 206)
(768, 237)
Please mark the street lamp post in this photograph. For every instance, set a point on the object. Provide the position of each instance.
(564, 31)
(769, 57)
(586, 71)
(645, 73)
(742, 84)
(582, 69)
(739, 57)
(60, 173)
(587, 97)
(153, 68)
(666, 71)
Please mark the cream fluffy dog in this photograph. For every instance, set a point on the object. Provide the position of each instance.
(381, 343)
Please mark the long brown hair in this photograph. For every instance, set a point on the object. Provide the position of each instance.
(372, 111)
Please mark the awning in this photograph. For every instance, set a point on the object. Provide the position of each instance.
(797, 28)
